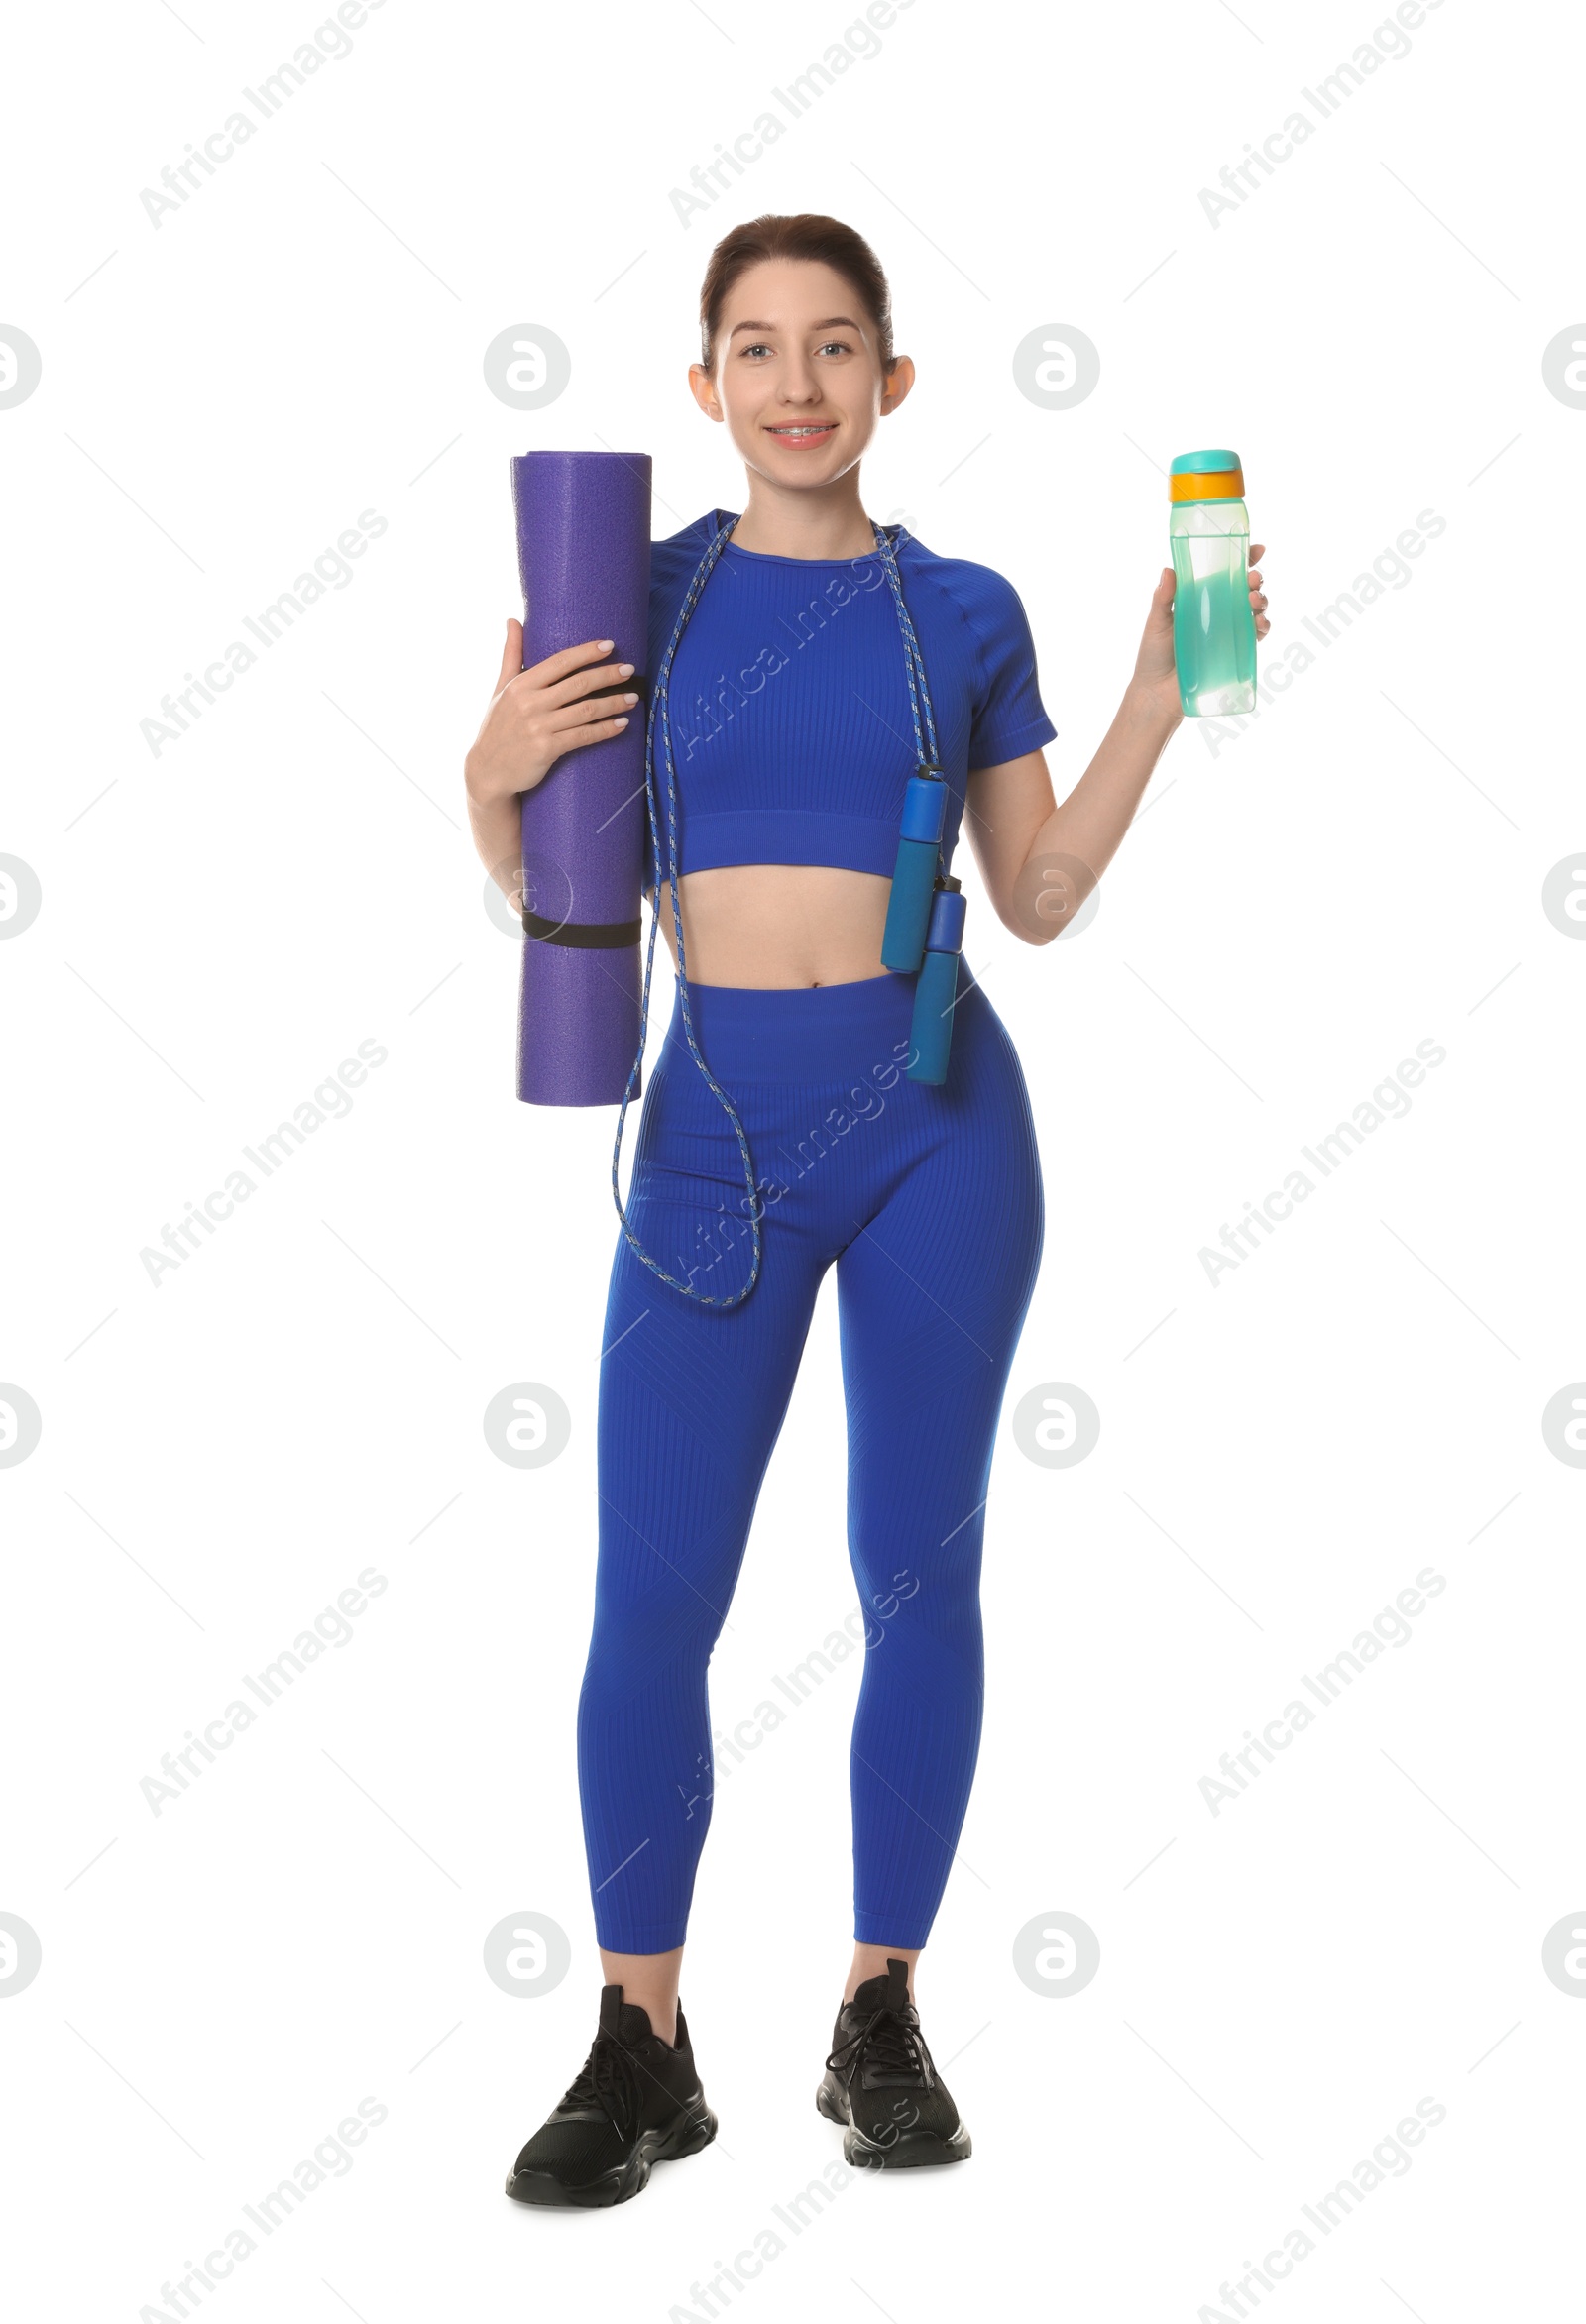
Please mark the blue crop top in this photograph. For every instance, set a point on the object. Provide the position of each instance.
(792, 735)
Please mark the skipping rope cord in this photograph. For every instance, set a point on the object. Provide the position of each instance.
(661, 724)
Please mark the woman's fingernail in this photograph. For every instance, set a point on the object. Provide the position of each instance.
(631, 698)
(624, 669)
(619, 722)
(606, 644)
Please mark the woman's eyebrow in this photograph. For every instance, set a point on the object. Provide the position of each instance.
(847, 320)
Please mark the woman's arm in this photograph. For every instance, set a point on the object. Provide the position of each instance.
(1039, 861)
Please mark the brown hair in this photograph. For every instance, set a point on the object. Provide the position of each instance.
(805, 236)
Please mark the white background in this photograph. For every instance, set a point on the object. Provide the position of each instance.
(1362, 870)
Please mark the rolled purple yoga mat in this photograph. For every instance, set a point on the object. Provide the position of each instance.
(584, 554)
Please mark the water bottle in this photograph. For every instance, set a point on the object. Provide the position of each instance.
(1213, 629)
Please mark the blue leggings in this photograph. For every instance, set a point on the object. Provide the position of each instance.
(929, 1201)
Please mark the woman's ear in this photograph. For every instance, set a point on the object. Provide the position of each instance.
(704, 395)
(896, 381)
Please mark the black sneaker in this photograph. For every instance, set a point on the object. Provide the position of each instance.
(880, 2081)
(637, 2101)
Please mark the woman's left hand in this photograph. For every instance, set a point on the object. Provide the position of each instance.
(1156, 676)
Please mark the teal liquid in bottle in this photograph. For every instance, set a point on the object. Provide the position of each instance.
(1213, 629)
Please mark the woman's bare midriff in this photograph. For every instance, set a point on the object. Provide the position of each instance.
(778, 923)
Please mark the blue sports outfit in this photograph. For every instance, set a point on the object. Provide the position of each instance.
(791, 734)
(790, 710)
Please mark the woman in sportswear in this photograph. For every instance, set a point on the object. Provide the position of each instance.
(804, 663)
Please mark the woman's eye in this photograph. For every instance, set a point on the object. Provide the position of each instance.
(840, 346)
(759, 348)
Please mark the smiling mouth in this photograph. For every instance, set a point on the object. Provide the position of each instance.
(805, 429)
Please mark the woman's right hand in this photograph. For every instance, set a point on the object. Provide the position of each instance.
(537, 715)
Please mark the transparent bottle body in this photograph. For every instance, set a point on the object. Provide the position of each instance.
(1213, 629)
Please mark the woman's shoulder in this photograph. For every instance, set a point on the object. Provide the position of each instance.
(986, 598)
(680, 552)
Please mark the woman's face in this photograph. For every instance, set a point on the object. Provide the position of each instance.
(798, 376)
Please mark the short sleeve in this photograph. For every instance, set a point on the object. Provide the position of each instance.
(1009, 716)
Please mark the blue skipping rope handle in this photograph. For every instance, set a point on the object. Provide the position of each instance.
(936, 991)
(915, 872)
(924, 921)
(659, 726)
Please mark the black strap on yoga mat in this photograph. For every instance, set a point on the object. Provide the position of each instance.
(603, 936)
